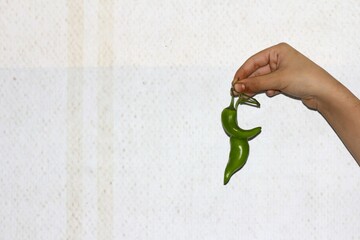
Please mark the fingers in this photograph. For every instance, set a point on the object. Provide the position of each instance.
(272, 93)
(240, 88)
(261, 71)
(263, 62)
(255, 62)
(270, 82)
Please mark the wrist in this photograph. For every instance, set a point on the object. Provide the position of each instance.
(335, 98)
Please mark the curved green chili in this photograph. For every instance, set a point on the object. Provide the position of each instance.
(230, 125)
(239, 146)
(239, 152)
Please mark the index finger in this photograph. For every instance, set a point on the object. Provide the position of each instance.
(253, 63)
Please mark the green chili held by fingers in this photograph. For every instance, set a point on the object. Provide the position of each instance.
(230, 124)
(239, 145)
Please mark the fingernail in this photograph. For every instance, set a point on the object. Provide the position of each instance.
(235, 80)
(240, 87)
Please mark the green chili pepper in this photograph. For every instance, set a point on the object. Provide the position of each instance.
(230, 125)
(239, 152)
(239, 146)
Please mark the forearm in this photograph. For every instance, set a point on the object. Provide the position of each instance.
(341, 109)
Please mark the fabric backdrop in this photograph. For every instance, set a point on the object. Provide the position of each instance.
(110, 121)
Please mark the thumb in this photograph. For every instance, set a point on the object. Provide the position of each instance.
(258, 84)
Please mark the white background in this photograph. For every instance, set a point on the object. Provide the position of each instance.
(167, 81)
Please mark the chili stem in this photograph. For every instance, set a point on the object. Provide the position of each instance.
(244, 99)
(247, 100)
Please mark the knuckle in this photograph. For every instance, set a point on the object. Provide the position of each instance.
(283, 45)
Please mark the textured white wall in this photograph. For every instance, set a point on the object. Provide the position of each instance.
(110, 122)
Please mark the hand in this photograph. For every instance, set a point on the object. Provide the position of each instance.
(282, 69)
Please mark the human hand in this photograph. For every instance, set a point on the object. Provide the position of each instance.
(282, 69)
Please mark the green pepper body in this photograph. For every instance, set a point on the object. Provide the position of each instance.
(239, 145)
(230, 125)
(239, 152)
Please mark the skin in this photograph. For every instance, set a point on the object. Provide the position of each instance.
(282, 69)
